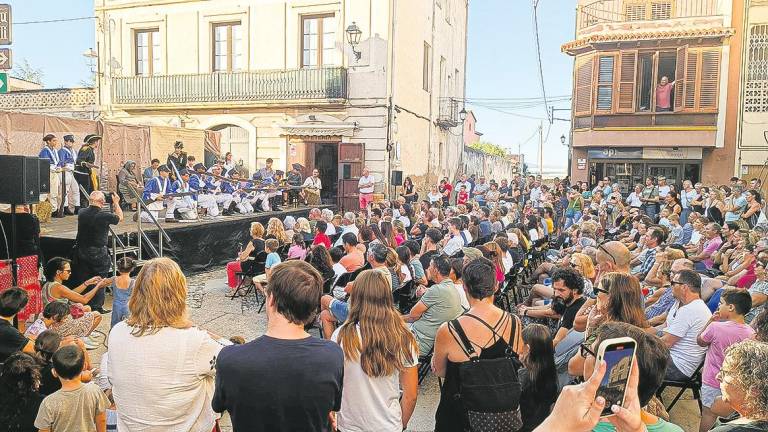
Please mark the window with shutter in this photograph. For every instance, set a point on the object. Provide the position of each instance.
(627, 78)
(635, 11)
(605, 74)
(680, 69)
(661, 10)
(710, 79)
(583, 84)
(756, 87)
(691, 81)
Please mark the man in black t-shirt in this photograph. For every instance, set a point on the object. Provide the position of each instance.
(285, 380)
(432, 238)
(92, 238)
(12, 301)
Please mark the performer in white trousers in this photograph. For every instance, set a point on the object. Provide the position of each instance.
(155, 191)
(198, 183)
(67, 160)
(220, 195)
(239, 198)
(50, 153)
(186, 205)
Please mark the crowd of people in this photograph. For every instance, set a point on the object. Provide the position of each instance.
(518, 281)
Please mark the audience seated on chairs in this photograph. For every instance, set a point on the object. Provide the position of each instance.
(725, 328)
(685, 320)
(254, 246)
(347, 226)
(298, 249)
(320, 237)
(439, 304)
(12, 301)
(273, 259)
(353, 259)
(335, 311)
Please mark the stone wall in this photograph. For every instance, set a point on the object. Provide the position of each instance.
(492, 167)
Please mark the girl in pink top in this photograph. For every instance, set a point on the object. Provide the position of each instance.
(298, 249)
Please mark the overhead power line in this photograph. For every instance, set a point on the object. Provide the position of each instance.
(55, 20)
(538, 57)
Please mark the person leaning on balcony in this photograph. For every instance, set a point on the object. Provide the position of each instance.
(664, 94)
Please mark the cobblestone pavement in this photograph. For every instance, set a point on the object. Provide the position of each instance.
(210, 309)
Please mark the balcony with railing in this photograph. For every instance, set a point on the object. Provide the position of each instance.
(594, 12)
(448, 112)
(300, 85)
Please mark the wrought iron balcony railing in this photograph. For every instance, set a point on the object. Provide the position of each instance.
(615, 11)
(263, 86)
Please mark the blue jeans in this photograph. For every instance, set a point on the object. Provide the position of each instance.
(650, 211)
(572, 220)
(684, 216)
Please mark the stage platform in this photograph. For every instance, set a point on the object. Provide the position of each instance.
(197, 246)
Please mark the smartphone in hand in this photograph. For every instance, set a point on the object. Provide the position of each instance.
(619, 356)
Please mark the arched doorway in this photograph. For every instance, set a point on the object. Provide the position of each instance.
(235, 140)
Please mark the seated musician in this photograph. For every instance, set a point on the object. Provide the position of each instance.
(293, 179)
(204, 198)
(184, 199)
(214, 184)
(312, 187)
(155, 191)
(235, 188)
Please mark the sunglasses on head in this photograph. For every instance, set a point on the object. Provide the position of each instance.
(603, 248)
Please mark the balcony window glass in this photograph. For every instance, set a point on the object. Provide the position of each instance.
(228, 47)
(318, 42)
(147, 49)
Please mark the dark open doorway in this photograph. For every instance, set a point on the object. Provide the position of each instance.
(327, 162)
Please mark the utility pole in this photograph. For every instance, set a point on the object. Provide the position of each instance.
(541, 148)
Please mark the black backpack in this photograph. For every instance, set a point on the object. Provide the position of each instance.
(489, 389)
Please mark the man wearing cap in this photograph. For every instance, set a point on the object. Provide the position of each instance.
(155, 192)
(50, 154)
(177, 160)
(185, 205)
(197, 183)
(267, 172)
(85, 164)
(67, 157)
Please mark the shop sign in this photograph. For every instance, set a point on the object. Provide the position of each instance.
(615, 153)
(672, 153)
(581, 164)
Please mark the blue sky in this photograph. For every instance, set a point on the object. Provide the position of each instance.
(501, 60)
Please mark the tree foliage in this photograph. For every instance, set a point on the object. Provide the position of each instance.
(489, 148)
(25, 71)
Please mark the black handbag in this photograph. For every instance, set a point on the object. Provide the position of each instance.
(489, 389)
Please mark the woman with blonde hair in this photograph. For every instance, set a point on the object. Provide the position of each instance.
(303, 227)
(254, 246)
(175, 392)
(276, 230)
(380, 358)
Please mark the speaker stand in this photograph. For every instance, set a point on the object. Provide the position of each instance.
(14, 264)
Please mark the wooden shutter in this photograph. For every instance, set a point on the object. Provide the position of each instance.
(709, 79)
(661, 9)
(351, 161)
(627, 79)
(583, 85)
(682, 55)
(606, 68)
(635, 11)
(691, 80)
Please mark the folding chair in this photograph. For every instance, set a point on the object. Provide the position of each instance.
(254, 267)
(693, 383)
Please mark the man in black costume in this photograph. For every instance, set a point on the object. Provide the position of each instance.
(85, 166)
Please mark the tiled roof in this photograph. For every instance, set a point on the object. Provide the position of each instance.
(689, 33)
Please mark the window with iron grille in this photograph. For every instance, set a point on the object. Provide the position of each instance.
(756, 90)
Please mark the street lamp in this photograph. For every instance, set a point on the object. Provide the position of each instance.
(353, 37)
(463, 114)
(562, 139)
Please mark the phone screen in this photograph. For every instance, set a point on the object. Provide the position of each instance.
(618, 359)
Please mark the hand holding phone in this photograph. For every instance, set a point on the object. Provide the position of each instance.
(619, 357)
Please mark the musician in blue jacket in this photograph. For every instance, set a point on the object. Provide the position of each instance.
(239, 200)
(206, 200)
(67, 156)
(186, 204)
(51, 153)
(155, 191)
